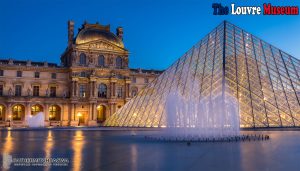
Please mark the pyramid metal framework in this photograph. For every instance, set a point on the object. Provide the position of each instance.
(262, 78)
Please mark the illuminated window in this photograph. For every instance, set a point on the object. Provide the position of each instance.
(2, 112)
(18, 112)
(36, 109)
(82, 59)
(101, 112)
(54, 113)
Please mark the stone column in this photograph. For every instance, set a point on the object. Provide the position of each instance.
(9, 112)
(111, 109)
(46, 113)
(111, 89)
(95, 112)
(114, 89)
(90, 115)
(71, 113)
(73, 121)
(27, 110)
(95, 89)
(91, 121)
(127, 91)
(114, 108)
(91, 89)
(74, 112)
(73, 89)
(62, 112)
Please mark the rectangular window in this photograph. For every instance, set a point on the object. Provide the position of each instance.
(36, 90)
(133, 79)
(146, 80)
(82, 91)
(119, 92)
(53, 75)
(1, 73)
(36, 75)
(1, 90)
(82, 74)
(18, 90)
(52, 91)
(19, 73)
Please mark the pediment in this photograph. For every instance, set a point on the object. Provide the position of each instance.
(101, 45)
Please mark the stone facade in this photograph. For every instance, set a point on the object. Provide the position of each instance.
(92, 82)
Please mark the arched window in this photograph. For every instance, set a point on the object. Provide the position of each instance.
(2, 112)
(54, 113)
(134, 91)
(82, 59)
(18, 112)
(101, 61)
(119, 62)
(101, 113)
(36, 109)
(102, 91)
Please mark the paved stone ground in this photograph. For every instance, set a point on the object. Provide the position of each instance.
(127, 150)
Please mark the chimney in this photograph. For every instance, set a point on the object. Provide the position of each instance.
(120, 32)
(70, 32)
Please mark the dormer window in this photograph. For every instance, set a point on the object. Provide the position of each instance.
(119, 62)
(101, 61)
(53, 75)
(82, 59)
(36, 75)
(19, 73)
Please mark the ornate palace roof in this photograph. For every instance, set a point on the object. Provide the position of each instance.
(95, 32)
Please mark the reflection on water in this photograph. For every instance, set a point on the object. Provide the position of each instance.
(119, 150)
(77, 146)
(48, 147)
(133, 150)
(8, 144)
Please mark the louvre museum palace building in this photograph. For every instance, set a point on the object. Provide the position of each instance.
(92, 82)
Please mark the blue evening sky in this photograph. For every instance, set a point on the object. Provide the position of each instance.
(156, 32)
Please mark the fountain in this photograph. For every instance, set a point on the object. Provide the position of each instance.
(37, 120)
(205, 120)
(196, 117)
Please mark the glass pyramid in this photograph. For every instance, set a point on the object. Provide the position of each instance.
(228, 63)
